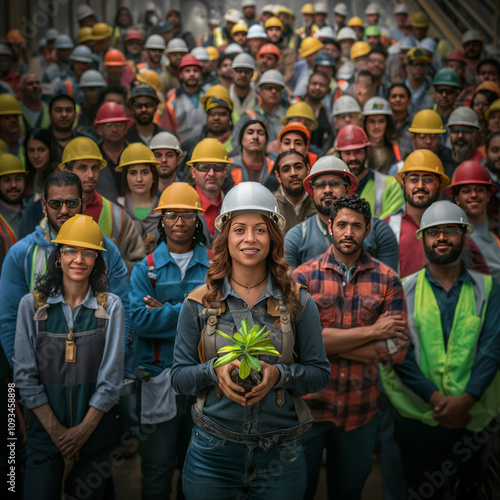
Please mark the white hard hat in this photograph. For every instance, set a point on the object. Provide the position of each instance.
(244, 61)
(272, 76)
(201, 53)
(341, 9)
(92, 78)
(84, 11)
(346, 104)
(443, 212)
(256, 31)
(325, 32)
(177, 45)
(63, 42)
(377, 106)
(248, 3)
(214, 17)
(373, 8)
(428, 44)
(233, 48)
(268, 8)
(320, 8)
(165, 140)
(406, 43)
(82, 53)
(155, 42)
(233, 16)
(471, 36)
(51, 34)
(346, 33)
(401, 9)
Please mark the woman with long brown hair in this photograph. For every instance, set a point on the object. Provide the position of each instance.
(248, 439)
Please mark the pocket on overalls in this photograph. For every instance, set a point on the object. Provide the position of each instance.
(206, 442)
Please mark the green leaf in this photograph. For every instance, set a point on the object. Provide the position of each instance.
(262, 335)
(244, 327)
(229, 348)
(262, 343)
(239, 337)
(225, 360)
(265, 352)
(244, 368)
(224, 335)
(253, 362)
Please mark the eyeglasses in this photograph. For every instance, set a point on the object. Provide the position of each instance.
(447, 231)
(57, 204)
(270, 88)
(147, 105)
(463, 130)
(332, 183)
(444, 90)
(206, 167)
(418, 64)
(220, 114)
(110, 125)
(426, 179)
(174, 216)
(72, 253)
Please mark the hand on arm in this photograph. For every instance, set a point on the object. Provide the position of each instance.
(452, 411)
(50, 423)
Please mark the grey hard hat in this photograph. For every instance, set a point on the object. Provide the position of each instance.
(373, 8)
(471, 36)
(92, 78)
(82, 53)
(331, 165)
(272, 76)
(233, 48)
(249, 197)
(84, 11)
(325, 32)
(346, 104)
(341, 9)
(155, 42)
(244, 61)
(443, 212)
(177, 45)
(201, 54)
(63, 42)
(51, 34)
(165, 140)
(346, 33)
(463, 116)
(377, 106)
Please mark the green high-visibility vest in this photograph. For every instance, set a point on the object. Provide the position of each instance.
(384, 194)
(448, 367)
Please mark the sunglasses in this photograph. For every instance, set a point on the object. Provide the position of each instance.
(333, 183)
(418, 64)
(147, 105)
(463, 130)
(444, 90)
(73, 253)
(206, 167)
(447, 231)
(57, 204)
(185, 216)
(270, 88)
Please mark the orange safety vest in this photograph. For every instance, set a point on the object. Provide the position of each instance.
(9, 237)
(238, 176)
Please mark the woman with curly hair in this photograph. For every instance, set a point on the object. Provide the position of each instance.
(68, 366)
(248, 439)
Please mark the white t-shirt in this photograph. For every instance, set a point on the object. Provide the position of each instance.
(182, 260)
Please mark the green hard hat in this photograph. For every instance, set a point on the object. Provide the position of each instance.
(372, 31)
(447, 77)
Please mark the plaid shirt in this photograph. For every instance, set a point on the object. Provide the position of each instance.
(350, 399)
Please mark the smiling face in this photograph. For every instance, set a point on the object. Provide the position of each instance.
(76, 268)
(421, 189)
(179, 230)
(248, 241)
(326, 190)
(473, 199)
(12, 188)
(443, 249)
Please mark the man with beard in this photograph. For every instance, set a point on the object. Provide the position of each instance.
(447, 88)
(329, 180)
(62, 116)
(27, 259)
(382, 192)
(248, 7)
(309, 28)
(155, 47)
(168, 154)
(295, 204)
(464, 128)
(473, 44)
(242, 94)
(169, 79)
(492, 149)
(143, 102)
(446, 391)
(12, 186)
(10, 125)
(35, 111)
(225, 70)
(183, 113)
(363, 314)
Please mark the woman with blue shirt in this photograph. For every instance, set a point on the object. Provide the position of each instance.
(248, 441)
(158, 286)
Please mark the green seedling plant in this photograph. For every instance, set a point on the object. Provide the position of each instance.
(246, 343)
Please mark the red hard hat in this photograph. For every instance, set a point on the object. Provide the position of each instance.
(470, 172)
(111, 112)
(269, 48)
(351, 137)
(456, 55)
(114, 57)
(133, 35)
(189, 60)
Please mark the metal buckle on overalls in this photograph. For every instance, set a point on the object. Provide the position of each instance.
(280, 397)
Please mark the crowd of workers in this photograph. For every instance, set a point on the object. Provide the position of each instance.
(335, 183)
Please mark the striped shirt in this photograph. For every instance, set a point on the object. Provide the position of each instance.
(350, 399)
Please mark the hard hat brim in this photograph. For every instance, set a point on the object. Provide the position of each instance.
(75, 243)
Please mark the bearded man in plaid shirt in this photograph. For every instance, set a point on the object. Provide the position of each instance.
(363, 313)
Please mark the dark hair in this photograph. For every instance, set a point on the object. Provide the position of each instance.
(378, 49)
(490, 138)
(154, 187)
(367, 74)
(220, 267)
(51, 284)
(118, 12)
(223, 57)
(112, 89)
(277, 162)
(252, 122)
(198, 237)
(401, 85)
(390, 134)
(62, 97)
(355, 203)
(62, 178)
(329, 41)
(491, 61)
(489, 94)
(319, 73)
(42, 135)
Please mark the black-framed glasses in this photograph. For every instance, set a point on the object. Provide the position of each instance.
(444, 90)
(72, 253)
(185, 216)
(331, 183)
(447, 231)
(206, 167)
(463, 130)
(57, 204)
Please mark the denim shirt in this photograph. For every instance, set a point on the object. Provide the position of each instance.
(309, 373)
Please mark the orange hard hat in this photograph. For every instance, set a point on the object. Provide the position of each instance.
(114, 57)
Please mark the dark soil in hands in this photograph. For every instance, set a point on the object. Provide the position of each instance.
(253, 380)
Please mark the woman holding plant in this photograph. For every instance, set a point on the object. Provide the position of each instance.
(250, 321)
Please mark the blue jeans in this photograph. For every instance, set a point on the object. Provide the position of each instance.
(161, 447)
(87, 479)
(216, 469)
(349, 458)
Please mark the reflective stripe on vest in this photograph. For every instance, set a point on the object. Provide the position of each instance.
(373, 193)
(395, 224)
(105, 221)
(8, 234)
(448, 367)
(38, 264)
(219, 39)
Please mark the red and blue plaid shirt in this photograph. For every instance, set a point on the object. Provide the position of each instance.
(350, 399)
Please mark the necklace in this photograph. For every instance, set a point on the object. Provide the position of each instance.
(248, 287)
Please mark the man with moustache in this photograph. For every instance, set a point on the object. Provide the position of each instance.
(35, 111)
(241, 93)
(62, 113)
(464, 135)
(168, 153)
(446, 391)
(363, 314)
(329, 180)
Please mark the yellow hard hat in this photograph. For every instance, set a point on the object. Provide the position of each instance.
(81, 231)
(217, 96)
(239, 27)
(84, 35)
(136, 153)
(210, 151)
(494, 106)
(273, 22)
(360, 49)
(100, 31)
(300, 110)
(151, 77)
(179, 196)
(9, 105)
(82, 148)
(10, 164)
(419, 20)
(427, 121)
(309, 46)
(308, 8)
(356, 22)
(3, 147)
(423, 160)
(285, 10)
(213, 53)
